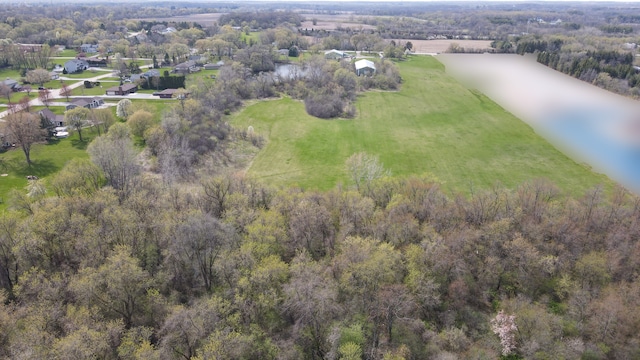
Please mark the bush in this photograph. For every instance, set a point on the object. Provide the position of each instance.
(324, 106)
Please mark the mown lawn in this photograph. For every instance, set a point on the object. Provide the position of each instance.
(16, 96)
(433, 125)
(47, 160)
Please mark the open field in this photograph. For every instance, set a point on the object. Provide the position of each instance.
(591, 124)
(202, 19)
(441, 45)
(433, 125)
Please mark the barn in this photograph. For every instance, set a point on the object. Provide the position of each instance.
(365, 67)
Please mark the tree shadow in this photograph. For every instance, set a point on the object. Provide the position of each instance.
(81, 145)
(39, 168)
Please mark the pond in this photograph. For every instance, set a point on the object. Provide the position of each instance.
(289, 71)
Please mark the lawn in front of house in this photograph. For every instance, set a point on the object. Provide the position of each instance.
(433, 125)
(47, 159)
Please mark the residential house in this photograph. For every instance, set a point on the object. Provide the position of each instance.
(122, 89)
(56, 120)
(54, 75)
(186, 67)
(94, 61)
(145, 75)
(169, 30)
(14, 85)
(89, 103)
(336, 55)
(199, 59)
(89, 48)
(168, 93)
(76, 65)
(214, 66)
(365, 67)
(58, 68)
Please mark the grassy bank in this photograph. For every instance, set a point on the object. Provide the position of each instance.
(433, 125)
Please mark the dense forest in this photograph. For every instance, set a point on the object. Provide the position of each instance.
(393, 269)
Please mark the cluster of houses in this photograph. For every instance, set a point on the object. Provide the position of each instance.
(364, 67)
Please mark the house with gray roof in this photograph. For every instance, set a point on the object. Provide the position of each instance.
(76, 65)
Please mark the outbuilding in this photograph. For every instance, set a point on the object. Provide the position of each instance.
(122, 89)
(365, 67)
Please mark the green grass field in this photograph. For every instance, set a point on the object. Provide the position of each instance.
(47, 159)
(434, 125)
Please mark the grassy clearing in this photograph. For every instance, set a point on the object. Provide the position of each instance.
(433, 125)
(16, 96)
(252, 37)
(47, 160)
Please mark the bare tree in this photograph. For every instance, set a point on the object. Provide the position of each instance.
(45, 96)
(65, 91)
(364, 169)
(24, 129)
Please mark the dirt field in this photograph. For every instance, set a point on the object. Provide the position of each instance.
(441, 45)
(202, 19)
(529, 90)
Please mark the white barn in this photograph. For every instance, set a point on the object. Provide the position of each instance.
(365, 67)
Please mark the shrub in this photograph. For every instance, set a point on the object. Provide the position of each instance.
(324, 106)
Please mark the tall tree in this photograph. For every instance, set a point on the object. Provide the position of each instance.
(24, 128)
(118, 287)
(115, 155)
(6, 91)
(77, 118)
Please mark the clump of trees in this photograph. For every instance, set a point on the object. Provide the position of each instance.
(329, 88)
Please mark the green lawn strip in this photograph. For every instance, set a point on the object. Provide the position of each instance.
(10, 73)
(16, 96)
(67, 53)
(432, 125)
(84, 74)
(47, 160)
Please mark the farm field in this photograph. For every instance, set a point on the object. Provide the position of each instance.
(434, 125)
(442, 45)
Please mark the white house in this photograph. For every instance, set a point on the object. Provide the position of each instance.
(75, 65)
(335, 54)
(365, 67)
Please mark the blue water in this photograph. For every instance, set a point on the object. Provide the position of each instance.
(606, 139)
